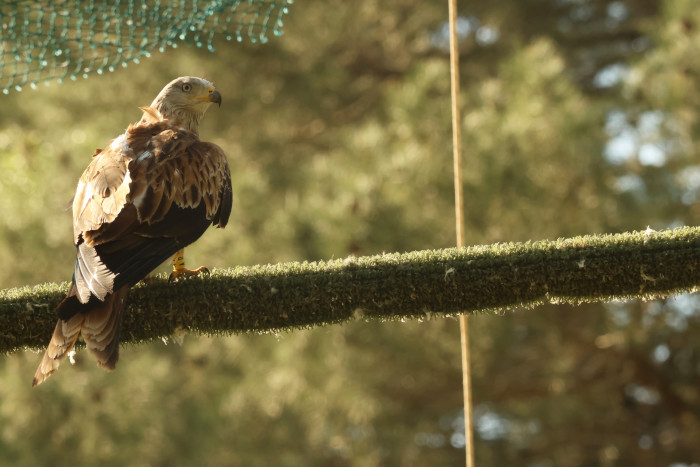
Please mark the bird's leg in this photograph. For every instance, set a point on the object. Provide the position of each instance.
(180, 270)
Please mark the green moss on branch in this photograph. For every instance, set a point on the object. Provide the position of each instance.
(488, 278)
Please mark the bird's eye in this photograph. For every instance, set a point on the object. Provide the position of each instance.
(187, 87)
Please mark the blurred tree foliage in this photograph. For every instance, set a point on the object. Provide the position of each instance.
(580, 116)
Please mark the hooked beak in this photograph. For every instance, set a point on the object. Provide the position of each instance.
(215, 97)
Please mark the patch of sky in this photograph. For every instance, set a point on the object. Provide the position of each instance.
(688, 181)
(618, 11)
(453, 425)
(484, 35)
(642, 394)
(680, 309)
(611, 75)
(487, 35)
(619, 313)
(440, 38)
(492, 426)
(642, 140)
(661, 353)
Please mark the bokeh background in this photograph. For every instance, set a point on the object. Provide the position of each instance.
(579, 117)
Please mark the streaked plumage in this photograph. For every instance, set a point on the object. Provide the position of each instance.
(154, 190)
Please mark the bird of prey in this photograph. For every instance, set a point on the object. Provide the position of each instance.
(154, 190)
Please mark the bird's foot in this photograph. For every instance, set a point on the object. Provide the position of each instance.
(184, 272)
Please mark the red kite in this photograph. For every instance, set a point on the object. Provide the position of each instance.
(154, 190)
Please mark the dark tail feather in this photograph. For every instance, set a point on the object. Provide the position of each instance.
(101, 329)
(64, 336)
(99, 323)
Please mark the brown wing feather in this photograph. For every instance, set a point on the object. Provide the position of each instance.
(179, 169)
(101, 192)
(150, 167)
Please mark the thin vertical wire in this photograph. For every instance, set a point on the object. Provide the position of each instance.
(459, 222)
(456, 125)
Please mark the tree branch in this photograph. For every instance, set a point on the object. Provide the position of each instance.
(487, 278)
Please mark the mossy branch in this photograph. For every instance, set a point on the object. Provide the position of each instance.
(488, 278)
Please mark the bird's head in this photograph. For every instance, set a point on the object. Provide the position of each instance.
(184, 100)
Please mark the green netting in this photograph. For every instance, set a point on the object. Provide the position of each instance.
(45, 40)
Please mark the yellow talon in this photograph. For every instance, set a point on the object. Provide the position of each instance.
(179, 269)
(178, 273)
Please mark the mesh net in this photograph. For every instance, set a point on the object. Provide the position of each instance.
(45, 40)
